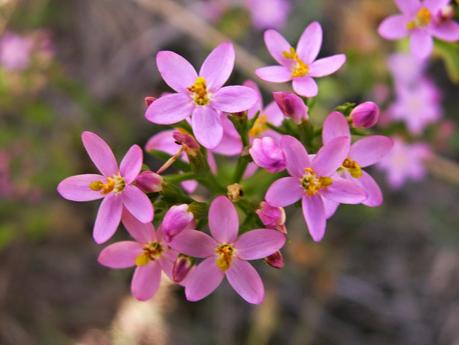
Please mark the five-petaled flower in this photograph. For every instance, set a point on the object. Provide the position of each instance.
(300, 64)
(201, 96)
(115, 186)
(226, 254)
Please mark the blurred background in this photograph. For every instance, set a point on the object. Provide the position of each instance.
(388, 275)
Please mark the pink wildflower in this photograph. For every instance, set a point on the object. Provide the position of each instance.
(149, 253)
(421, 21)
(15, 51)
(200, 96)
(268, 14)
(115, 186)
(226, 254)
(300, 64)
(313, 180)
(365, 115)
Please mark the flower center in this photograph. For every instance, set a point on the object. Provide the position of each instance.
(422, 19)
(151, 252)
(115, 184)
(199, 91)
(312, 183)
(353, 167)
(225, 254)
(260, 125)
(299, 68)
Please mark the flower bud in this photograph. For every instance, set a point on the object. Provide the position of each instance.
(182, 266)
(275, 260)
(177, 219)
(149, 182)
(365, 115)
(267, 154)
(291, 106)
(148, 100)
(189, 143)
(234, 192)
(272, 217)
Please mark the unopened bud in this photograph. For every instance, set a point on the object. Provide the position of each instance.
(182, 266)
(148, 100)
(189, 143)
(275, 260)
(272, 217)
(365, 115)
(234, 192)
(267, 154)
(291, 106)
(177, 219)
(149, 182)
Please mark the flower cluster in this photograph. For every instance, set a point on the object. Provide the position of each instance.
(281, 146)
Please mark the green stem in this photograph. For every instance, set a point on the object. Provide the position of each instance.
(241, 166)
(176, 178)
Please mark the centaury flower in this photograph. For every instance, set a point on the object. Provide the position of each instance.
(115, 186)
(226, 254)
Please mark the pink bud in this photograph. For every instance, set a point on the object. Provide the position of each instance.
(365, 115)
(182, 266)
(291, 105)
(275, 260)
(177, 219)
(272, 217)
(148, 100)
(267, 154)
(149, 182)
(184, 138)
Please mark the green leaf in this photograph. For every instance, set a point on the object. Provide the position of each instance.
(449, 52)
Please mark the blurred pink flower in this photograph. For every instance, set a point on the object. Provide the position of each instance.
(201, 96)
(149, 253)
(406, 70)
(268, 14)
(226, 254)
(300, 64)
(405, 162)
(421, 21)
(15, 51)
(115, 186)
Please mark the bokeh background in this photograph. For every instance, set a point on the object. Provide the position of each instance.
(381, 276)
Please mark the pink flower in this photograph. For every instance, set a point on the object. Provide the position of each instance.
(406, 69)
(15, 51)
(115, 186)
(177, 219)
(420, 20)
(405, 162)
(365, 115)
(363, 153)
(268, 14)
(226, 254)
(313, 180)
(200, 96)
(291, 106)
(267, 154)
(300, 64)
(149, 182)
(149, 253)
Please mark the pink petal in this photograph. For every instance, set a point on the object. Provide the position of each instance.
(163, 141)
(305, 86)
(274, 114)
(335, 125)
(167, 261)
(327, 66)
(432, 5)
(259, 243)
(277, 45)
(218, 66)
(231, 143)
(421, 44)
(207, 127)
(259, 103)
(223, 220)
(145, 281)
(296, 156)
(120, 254)
(409, 7)
(274, 74)
(203, 280)
(246, 281)
(194, 243)
(331, 156)
(371, 150)
(314, 215)
(138, 204)
(284, 192)
(170, 109)
(177, 72)
(108, 218)
(76, 188)
(234, 99)
(330, 207)
(141, 232)
(100, 153)
(393, 27)
(310, 42)
(374, 194)
(448, 31)
(345, 192)
(131, 164)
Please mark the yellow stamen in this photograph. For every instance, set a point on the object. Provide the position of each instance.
(151, 252)
(115, 184)
(260, 125)
(422, 19)
(299, 69)
(199, 91)
(225, 254)
(312, 183)
(353, 167)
